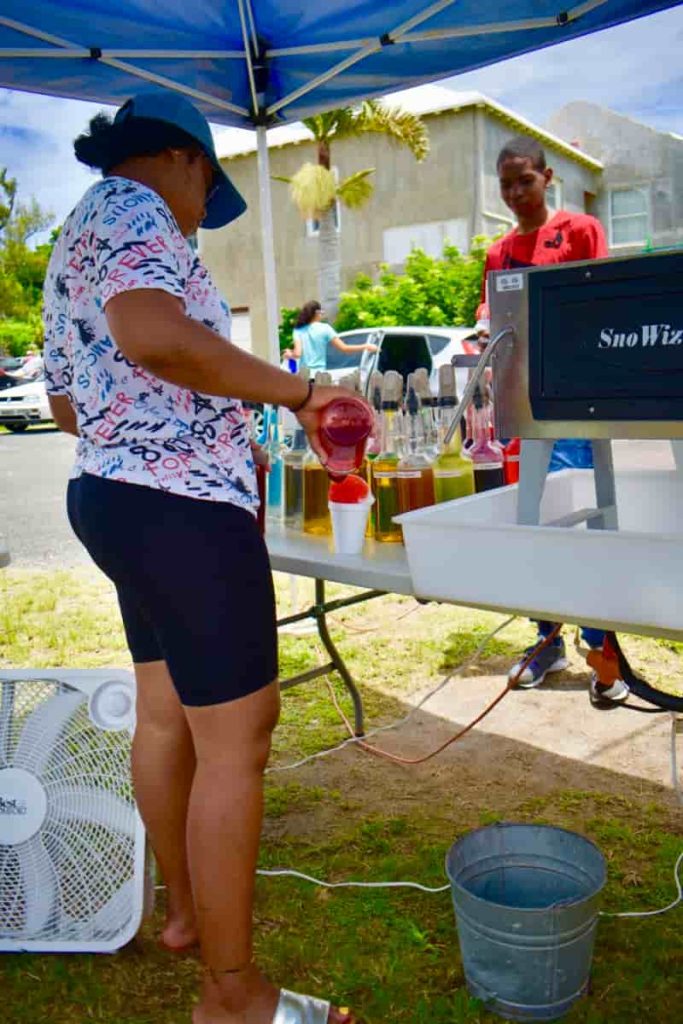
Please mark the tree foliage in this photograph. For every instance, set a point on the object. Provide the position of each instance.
(431, 292)
(22, 269)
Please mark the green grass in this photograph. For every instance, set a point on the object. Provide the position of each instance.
(391, 954)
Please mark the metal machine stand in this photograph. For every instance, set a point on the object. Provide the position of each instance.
(533, 471)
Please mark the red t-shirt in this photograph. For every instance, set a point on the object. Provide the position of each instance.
(566, 238)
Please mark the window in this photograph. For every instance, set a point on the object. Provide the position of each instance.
(628, 216)
(337, 360)
(313, 224)
(553, 194)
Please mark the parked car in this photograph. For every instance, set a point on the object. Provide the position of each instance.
(10, 364)
(23, 405)
(403, 349)
(8, 380)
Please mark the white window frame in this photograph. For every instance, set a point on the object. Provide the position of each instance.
(624, 216)
(558, 186)
(313, 224)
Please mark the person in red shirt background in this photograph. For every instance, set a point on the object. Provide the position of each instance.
(542, 237)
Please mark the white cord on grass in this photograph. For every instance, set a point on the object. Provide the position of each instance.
(401, 721)
(350, 885)
(662, 910)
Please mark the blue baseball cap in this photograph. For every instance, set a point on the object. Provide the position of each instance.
(225, 203)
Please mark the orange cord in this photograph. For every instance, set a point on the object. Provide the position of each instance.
(511, 684)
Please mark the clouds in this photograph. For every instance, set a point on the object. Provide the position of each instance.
(36, 145)
(633, 68)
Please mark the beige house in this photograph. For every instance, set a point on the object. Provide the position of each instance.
(453, 195)
(641, 191)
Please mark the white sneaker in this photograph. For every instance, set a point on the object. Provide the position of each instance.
(607, 697)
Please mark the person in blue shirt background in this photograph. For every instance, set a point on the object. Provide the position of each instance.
(311, 338)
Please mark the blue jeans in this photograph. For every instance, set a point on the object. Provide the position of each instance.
(573, 454)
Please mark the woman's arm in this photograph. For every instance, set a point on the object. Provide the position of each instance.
(343, 347)
(63, 414)
(151, 329)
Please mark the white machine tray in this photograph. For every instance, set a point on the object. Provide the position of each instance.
(472, 552)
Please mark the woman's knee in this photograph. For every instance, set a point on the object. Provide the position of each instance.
(239, 731)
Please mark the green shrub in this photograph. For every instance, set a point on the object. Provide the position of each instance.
(17, 336)
(431, 292)
(287, 320)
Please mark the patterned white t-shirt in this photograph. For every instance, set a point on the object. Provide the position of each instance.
(133, 426)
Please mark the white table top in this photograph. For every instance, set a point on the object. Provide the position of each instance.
(380, 567)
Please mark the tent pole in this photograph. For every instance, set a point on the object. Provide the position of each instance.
(268, 246)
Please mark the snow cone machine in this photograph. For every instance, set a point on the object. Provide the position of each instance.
(596, 349)
(585, 350)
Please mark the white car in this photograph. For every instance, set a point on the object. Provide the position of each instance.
(403, 349)
(24, 405)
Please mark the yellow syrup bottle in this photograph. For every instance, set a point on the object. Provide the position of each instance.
(384, 468)
(453, 471)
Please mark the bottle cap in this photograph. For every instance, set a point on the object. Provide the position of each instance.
(304, 372)
(447, 390)
(323, 379)
(375, 389)
(392, 390)
(421, 384)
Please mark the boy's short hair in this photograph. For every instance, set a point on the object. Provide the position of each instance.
(524, 147)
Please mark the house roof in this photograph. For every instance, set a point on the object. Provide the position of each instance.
(424, 100)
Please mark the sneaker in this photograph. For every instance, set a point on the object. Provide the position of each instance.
(552, 658)
(607, 689)
(606, 697)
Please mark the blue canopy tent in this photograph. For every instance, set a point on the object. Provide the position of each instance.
(257, 63)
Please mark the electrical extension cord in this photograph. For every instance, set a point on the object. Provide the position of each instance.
(676, 728)
(288, 872)
(354, 740)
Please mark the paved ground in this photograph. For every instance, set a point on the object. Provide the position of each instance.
(34, 469)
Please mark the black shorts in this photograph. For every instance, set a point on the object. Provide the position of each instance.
(193, 580)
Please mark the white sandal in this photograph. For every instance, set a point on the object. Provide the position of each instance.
(293, 1008)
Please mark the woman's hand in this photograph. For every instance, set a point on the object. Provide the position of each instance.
(369, 347)
(309, 416)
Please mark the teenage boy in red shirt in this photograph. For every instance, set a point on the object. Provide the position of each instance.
(540, 238)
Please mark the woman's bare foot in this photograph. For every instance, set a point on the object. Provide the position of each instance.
(245, 998)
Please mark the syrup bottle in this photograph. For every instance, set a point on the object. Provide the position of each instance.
(511, 454)
(415, 476)
(428, 410)
(385, 466)
(345, 425)
(487, 457)
(274, 479)
(453, 472)
(374, 444)
(316, 485)
(293, 462)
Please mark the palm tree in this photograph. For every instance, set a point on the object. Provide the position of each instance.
(315, 190)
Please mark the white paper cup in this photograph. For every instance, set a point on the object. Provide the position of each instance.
(349, 522)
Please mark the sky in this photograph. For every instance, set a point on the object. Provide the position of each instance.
(634, 69)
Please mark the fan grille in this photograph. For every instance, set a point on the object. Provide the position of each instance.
(72, 880)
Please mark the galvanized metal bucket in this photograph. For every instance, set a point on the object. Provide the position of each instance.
(526, 907)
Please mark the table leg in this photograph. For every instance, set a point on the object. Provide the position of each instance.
(318, 612)
(337, 659)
